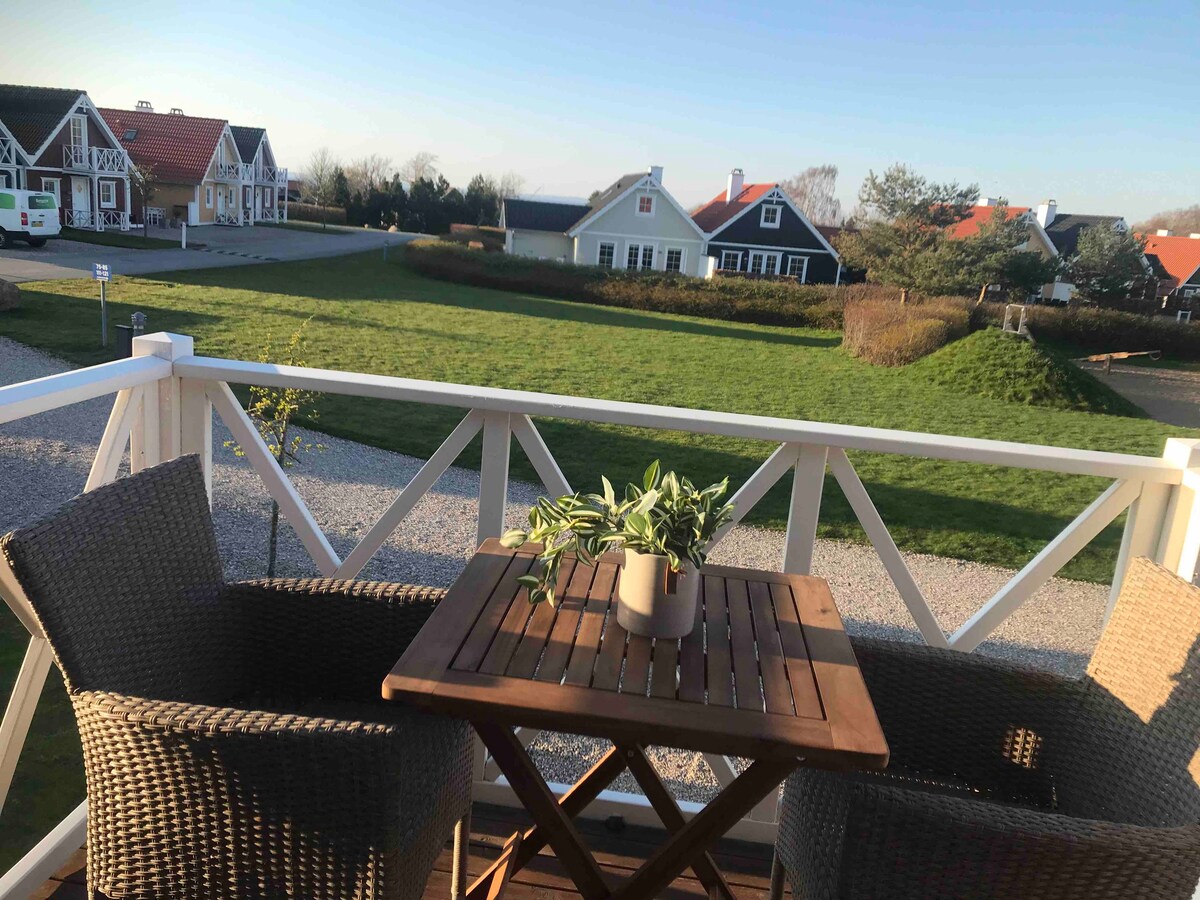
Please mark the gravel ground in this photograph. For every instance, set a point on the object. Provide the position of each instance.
(1168, 395)
(44, 461)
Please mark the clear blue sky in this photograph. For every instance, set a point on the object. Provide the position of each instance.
(1096, 104)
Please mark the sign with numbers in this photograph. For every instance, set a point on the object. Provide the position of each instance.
(100, 272)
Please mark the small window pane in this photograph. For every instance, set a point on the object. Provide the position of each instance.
(631, 259)
(645, 205)
(796, 266)
(648, 256)
(731, 260)
(756, 263)
(674, 260)
(606, 255)
(772, 262)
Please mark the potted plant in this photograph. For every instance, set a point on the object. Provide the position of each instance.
(664, 526)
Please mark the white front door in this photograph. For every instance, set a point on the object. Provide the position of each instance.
(220, 202)
(81, 199)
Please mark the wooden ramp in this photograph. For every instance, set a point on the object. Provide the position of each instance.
(746, 866)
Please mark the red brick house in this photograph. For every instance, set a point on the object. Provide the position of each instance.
(55, 140)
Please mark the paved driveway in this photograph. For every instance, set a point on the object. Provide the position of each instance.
(222, 247)
(1169, 395)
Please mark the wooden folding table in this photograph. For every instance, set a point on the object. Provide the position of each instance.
(767, 674)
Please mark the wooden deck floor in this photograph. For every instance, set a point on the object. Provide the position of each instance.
(746, 866)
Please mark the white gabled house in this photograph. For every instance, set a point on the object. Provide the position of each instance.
(637, 224)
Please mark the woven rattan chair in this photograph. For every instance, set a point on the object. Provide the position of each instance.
(1010, 783)
(234, 738)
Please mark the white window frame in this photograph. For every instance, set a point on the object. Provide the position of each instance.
(81, 121)
(762, 216)
(600, 254)
(667, 259)
(637, 209)
(737, 260)
(803, 274)
(642, 265)
(634, 250)
(53, 186)
(1187, 292)
(233, 197)
(110, 188)
(208, 196)
(762, 255)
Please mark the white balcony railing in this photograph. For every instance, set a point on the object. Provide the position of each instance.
(95, 159)
(271, 175)
(78, 218)
(165, 398)
(229, 171)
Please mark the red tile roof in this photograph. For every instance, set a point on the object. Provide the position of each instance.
(177, 148)
(969, 227)
(1178, 255)
(716, 212)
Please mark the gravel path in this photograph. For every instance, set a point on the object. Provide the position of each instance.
(1168, 395)
(44, 461)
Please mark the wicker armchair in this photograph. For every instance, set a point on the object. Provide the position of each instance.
(1010, 783)
(234, 738)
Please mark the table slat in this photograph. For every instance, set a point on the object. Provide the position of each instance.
(776, 692)
(606, 674)
(636, 678)
(716, 630)
(529, 651)
(664, 677)
(741, 639)
(475, 647)
(562, 637)
(800, 672)
(691, 657)
(591, 626)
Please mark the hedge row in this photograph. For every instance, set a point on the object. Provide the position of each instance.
(779, 302)
(732, 299)
(888, 333)
(310, 212)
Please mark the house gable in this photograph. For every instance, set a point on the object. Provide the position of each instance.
(791, 228)
(623, 214)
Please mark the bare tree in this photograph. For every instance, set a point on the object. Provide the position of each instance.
(144, 182)
(1181, 221)
(421, 165)
(813, 190)
(320, 178)
(511, 185)
(368, 172)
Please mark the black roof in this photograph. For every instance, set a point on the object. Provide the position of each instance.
(541, 215)
(33, 114)
(247, 140)
(1064, 230)
(614, 190)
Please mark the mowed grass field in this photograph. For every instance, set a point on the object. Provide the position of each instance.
(371, 316)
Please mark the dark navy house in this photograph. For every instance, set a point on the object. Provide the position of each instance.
(756, 229)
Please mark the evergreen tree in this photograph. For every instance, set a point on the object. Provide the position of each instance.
(1109, 269)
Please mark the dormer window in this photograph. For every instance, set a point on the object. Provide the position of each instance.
(770, 216)
(645, 205)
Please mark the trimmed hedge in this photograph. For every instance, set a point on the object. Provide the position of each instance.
(1109, 330)
(310, 212)
(734, 299)
(888, 333)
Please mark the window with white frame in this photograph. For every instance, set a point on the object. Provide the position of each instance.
(208, 196)
(797, 267)
(233, 196)
(647, 256)
(632, 255)
(645, 205)
(78, 131)
(108, 195)
(756, 263)
(53, 186)
(674, 260)
(770, 216)
(771, 265)
(606, 255)
(731, 260)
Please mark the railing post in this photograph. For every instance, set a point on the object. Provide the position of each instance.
(1143, 533)
(808, 482)
(1179, 544)
(158, 435)
(493, 475)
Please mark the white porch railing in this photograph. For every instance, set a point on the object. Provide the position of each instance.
(165, 397)
(78, 218)
(268, 214)
(227, 218)
(112, 218)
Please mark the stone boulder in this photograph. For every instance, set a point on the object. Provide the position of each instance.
(10, 295)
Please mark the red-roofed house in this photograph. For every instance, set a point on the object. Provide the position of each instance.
(756, 229)
(1176, 259)
(199, 176)
(54, 140)
(1039, 240)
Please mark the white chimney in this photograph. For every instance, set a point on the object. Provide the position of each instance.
(986, 201)
(1046, 212)
(145, 106)
(733, 187)
(656, 173)
(1164, 232)
(1195, 236)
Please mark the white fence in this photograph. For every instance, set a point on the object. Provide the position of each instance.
(165, 397)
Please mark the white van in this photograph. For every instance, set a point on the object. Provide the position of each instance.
(30, 216)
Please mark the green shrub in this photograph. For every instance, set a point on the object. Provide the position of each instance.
(1093, 330)
(888, 333)
(758, 301)
(1001, 366)
(310, 212)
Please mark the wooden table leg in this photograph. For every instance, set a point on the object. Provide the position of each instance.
(668, 810)
(573, 802)
(559, 831)
(705, 828)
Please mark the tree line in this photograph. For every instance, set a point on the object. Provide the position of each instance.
(413, 196)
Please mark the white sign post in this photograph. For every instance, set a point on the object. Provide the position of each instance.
(101, 273)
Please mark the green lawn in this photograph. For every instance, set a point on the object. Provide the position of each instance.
(372, 316)
(130, 239)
